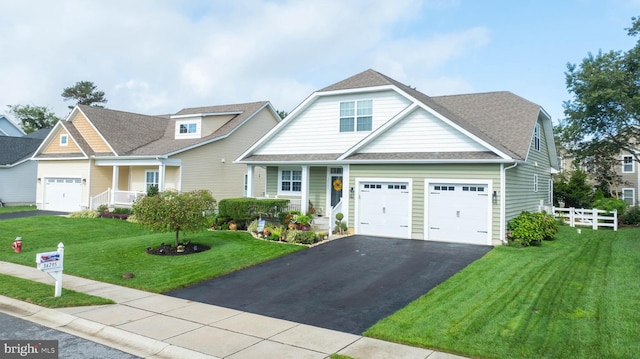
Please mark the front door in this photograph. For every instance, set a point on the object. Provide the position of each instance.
(336, 186)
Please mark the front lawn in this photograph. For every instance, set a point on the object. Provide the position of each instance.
(12, 209)
(574, 297)
(104, 249)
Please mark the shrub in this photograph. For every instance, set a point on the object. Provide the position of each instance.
(303, 237)
(87, 213)
(610, 204)
(531, 228)
(632, 216)
(244, 210)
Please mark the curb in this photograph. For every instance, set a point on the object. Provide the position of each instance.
(103, 334)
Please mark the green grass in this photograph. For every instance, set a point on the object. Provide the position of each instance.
(574, 297)
(104, 249)
(12, 209)
(44, 294)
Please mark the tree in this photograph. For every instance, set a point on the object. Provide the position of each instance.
(602, 118)
(282, 113)
(84, 93)
(171, 211)
(574, 192)
(33, 118)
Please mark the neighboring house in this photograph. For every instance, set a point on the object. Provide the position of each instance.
(629, 172)
(399, 163)
(99, 156)
(9, 128)
(17, 172)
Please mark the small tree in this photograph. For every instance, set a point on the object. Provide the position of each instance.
(171, 211)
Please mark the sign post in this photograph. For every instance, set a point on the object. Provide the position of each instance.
(51, 263)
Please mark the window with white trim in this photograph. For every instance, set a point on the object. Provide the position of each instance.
(356, 116)
(290, 181)
(188, 127)
(628, 195)
(151, 178)
(64, 140)
(535, 183)
(536, 137)
(627, 164)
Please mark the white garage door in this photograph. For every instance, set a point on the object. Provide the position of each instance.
(458, 213)
(62, 194)
(384, 209)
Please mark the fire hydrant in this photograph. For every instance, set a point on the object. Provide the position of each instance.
(17, 245)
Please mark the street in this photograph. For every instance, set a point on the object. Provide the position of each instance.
(69, 346)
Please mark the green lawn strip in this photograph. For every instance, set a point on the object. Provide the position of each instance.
(104, 249)
(44, 294)
(12, 209)
(572, 297)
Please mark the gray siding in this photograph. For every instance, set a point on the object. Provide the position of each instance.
(18, 183)
(520, 181)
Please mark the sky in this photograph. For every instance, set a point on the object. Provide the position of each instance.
(159, 56)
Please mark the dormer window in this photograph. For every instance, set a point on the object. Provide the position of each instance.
(188, 128)
(64, 140)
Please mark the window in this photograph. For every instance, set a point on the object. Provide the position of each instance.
(290, 180)
(64, 140)
(536, 137)
(535, 183)
(356, 115)
(188, 128)
(628, 196)
(627, 164)
(151, 178)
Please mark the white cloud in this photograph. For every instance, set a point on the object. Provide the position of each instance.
(160, 56)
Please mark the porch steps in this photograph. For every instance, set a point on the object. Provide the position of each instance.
(321, 224)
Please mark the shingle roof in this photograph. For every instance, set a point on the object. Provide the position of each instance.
(16, 149)
(502, 119)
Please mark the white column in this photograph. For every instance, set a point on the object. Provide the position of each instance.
(250, 180)
(161, 174)
(114, 183)
(346, 199)
(304, 205)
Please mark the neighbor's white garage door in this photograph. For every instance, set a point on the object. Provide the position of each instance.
(62, 194)
(458, 213)
(384, 209)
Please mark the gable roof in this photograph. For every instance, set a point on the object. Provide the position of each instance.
(9, 128)
(14, 150)
(132, 134)
(503, 121)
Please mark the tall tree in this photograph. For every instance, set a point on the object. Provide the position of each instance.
(84, 93)
(33, 118)
(603, 117)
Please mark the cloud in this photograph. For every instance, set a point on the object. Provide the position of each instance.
(160, 56)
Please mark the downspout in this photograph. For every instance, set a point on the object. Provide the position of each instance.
(503, 205)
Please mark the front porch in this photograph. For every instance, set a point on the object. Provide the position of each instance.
(119, 185)
(320, 191)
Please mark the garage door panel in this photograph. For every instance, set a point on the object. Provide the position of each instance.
(62, 194)
(458, 213)
(383, 209)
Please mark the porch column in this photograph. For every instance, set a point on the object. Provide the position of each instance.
(249, 181)
(304, 205)
(346, 194)
(114, 183)
(161, 174)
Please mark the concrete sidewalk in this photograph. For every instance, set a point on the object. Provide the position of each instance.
(152, 325)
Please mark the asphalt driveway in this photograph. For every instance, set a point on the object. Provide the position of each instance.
(347, 285)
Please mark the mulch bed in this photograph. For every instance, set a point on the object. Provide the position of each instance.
(169, 250)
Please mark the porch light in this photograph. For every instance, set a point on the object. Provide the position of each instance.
(351, 192)
(39, 179)
(222, 161)
(84, 181)
(495, 197)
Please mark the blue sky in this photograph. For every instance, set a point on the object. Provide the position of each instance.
(158, 56)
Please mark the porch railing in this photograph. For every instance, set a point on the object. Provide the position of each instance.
(112, 198)
(332, 214)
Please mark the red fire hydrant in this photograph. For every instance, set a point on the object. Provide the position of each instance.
(17, 245)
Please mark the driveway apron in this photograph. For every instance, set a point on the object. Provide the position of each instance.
(347, 285)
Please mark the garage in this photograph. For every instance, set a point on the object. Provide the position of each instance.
(458, 212)
(62, 194)
(384, 209)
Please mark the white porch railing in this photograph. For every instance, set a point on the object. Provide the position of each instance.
(593, 218)
(332, 214)
(112, 198)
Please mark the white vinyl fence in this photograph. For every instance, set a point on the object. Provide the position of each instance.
(593, 218)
